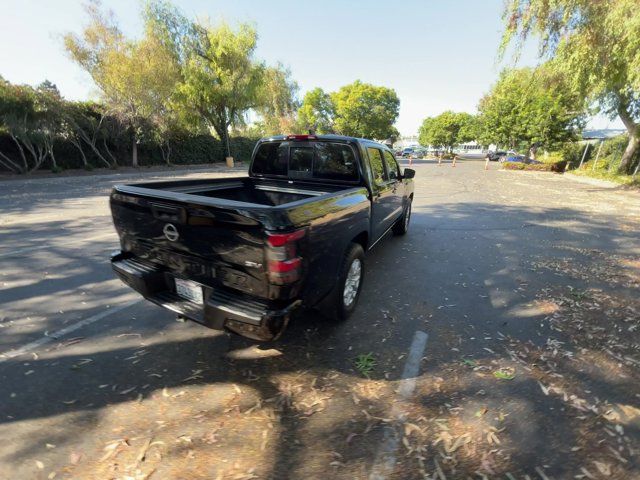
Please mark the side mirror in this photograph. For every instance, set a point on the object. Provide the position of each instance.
(408, 173)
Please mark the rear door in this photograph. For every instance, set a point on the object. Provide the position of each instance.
(397, 188)
(383, 195)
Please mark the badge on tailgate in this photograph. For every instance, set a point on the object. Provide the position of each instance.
(189, 290)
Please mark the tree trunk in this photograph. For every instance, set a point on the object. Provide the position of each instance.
(54, 164)
(134, 153)
(226, 140)
(9, 164)
(25, 164)
(626, 164)
(78, 145)
(106, 149)
(91, 141)
(166, 155)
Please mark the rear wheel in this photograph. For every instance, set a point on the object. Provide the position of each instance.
(344, 298)
(402, 225)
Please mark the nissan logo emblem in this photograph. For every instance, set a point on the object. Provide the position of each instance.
(171, 232)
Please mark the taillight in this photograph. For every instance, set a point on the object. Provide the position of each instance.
(284, 263)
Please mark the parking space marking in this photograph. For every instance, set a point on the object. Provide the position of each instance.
(385, 460)
(65, 331)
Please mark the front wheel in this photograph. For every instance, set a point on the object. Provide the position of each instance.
(402, 224)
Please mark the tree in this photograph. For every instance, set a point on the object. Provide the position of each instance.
(277, 102)
(49, 107)
(84, 123)
(136, 78)
(31, 118)
(365, 110)
(594, 44)
(220, 80)
(447, 129)
(531, 106)
(317, 112)
(470, 128)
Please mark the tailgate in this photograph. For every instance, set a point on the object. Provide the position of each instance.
(215, 246)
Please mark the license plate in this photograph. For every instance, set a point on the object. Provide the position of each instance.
(189, 290)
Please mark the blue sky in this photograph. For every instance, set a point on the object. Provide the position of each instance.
(437, 55)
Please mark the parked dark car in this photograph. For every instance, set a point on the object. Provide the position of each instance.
(242, 253)
(407, 151)
(519, 158)
(497, 155)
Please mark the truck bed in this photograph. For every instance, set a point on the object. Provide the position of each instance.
(252, 191)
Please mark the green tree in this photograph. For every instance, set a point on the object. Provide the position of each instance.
(317, 112)
(365, 110)
(470, 128)
(447, 129)
(136, 78)
(532, 107)
(277, 102)
(594, 44)
(31, 117)
(85, 124)
(220, 80)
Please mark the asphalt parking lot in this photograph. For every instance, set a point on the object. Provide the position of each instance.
(503, 333)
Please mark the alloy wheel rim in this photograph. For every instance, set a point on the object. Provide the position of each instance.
(352, 283)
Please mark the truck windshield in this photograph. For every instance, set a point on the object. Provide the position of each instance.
(316, 160)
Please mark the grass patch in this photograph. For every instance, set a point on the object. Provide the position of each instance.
(365, 364)
(604, 174)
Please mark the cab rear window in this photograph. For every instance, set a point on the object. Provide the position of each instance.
(315, 160)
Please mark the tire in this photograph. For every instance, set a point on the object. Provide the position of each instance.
(402, 224)
(342, 302)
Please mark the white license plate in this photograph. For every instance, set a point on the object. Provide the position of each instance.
(189, 290)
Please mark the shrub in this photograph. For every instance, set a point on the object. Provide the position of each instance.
(557, 167)
(572, 152)
(550, 157)
(185, 150)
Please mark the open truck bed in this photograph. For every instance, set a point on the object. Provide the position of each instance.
(239, 189)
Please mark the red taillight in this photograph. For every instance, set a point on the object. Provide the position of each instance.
(279, 266)
(282, 257)
(302, 137)
(281, 239)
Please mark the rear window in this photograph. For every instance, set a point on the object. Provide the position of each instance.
(270, 159)
(317, 160)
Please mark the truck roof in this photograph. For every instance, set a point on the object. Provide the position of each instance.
(334, 137)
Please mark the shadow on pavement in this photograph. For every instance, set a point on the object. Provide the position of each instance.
(467, 273)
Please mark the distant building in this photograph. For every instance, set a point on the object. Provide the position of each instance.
(406, 141)
(468, 147)
(602, 134)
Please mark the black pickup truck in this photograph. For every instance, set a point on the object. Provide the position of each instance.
(241, 253)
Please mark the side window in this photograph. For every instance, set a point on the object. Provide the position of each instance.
(335, 161)
(392, 165)
(377, 167)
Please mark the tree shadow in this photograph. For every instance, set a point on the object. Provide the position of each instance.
(463, 272)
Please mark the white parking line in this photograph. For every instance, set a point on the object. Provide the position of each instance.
(64, 331)
(385, 460)
(42, 247)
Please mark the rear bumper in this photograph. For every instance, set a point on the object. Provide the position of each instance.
(222, 309)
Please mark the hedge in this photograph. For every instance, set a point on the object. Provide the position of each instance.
(186, 150)
(557, 167)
